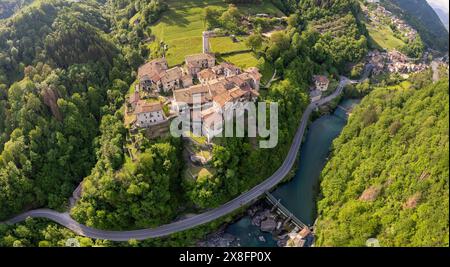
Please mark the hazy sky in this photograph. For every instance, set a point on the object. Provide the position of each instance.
(441, 3)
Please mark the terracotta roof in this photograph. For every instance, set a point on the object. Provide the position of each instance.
(237, 93)
(145, 107)
(254, 71)
(229, 66)
(152, 69)
(194, 60)
(218, 87)
(172, 74)
(206, 74)
(187, 95)
(254, 92)
(237, 80)
(320, 79)
(304, 232)
(206, 112)
(201, 56)
(229, 96)
(221, 90)
(222, 99)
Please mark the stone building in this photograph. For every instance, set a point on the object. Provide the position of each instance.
(196, 63)
(148, 114)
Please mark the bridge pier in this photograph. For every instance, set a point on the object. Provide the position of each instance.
(274, 207)
(284, 211)
(287, 220)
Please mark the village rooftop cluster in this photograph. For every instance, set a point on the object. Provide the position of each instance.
(380, 13)
(392, 62)
(218, 88)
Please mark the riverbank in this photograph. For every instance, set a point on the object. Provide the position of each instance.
(300, 193)
(264, 226)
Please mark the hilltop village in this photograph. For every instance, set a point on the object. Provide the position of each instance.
(393, 62)
(220, 88)
(217, 86)
(380, 15)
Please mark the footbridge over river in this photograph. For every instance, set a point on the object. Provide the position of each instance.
(346, 110)
(283, 210)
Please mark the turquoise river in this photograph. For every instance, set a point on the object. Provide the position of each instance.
(299, 194)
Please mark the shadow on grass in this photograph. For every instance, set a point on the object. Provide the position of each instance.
(175, 17)
(373, 44)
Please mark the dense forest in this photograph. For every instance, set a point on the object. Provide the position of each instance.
(9, 7)
(55, 66)
(388, 176)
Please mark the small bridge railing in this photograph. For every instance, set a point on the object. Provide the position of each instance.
(285, 211)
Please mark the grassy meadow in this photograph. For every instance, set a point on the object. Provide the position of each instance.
(182, 25)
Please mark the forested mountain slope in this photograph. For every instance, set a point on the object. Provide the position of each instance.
(421, 16)
(9, 7)
(55, 63)
(389, 172)
(341, 36)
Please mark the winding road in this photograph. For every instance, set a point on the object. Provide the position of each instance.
(65, 220)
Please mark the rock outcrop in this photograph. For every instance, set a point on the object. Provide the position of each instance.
(268, 225)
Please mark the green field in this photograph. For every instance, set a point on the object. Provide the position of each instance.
(383, 37)
(242, 60)
(182, 25)
(266, 6)
(226, 45)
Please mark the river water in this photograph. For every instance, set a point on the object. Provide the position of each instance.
(299, 194)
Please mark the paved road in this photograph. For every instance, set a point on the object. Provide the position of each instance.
(64, 219)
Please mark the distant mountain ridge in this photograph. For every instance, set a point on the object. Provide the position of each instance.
(421, 16)
(9, 7)
(443, 15)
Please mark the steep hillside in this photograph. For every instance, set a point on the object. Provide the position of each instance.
(443, 15)
(55, 59)
(341, 37)
(9, 7)
(422, 18)
(389, 172)
(442, 12)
